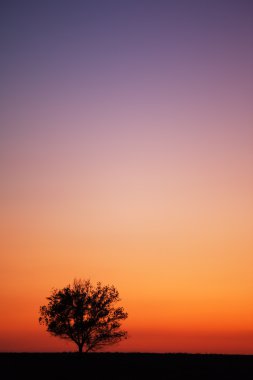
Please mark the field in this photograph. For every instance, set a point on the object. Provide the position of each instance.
(125, 366)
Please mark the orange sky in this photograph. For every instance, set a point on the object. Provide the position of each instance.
(126, 158)
(186, 285)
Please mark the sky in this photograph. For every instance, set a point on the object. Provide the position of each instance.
(126, 133)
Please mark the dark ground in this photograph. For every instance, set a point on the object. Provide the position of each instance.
(125, 366)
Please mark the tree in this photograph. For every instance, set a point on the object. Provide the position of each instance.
(84, 314)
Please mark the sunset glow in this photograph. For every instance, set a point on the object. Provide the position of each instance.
(126, 157)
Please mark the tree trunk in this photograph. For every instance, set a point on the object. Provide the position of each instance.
(80, 348)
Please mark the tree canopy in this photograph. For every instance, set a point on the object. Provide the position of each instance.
(85, 314)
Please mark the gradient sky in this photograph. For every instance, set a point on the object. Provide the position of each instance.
(126, 157)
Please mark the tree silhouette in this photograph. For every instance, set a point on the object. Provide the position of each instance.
(84, 314)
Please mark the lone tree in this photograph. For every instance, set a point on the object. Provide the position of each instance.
(84, 314)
